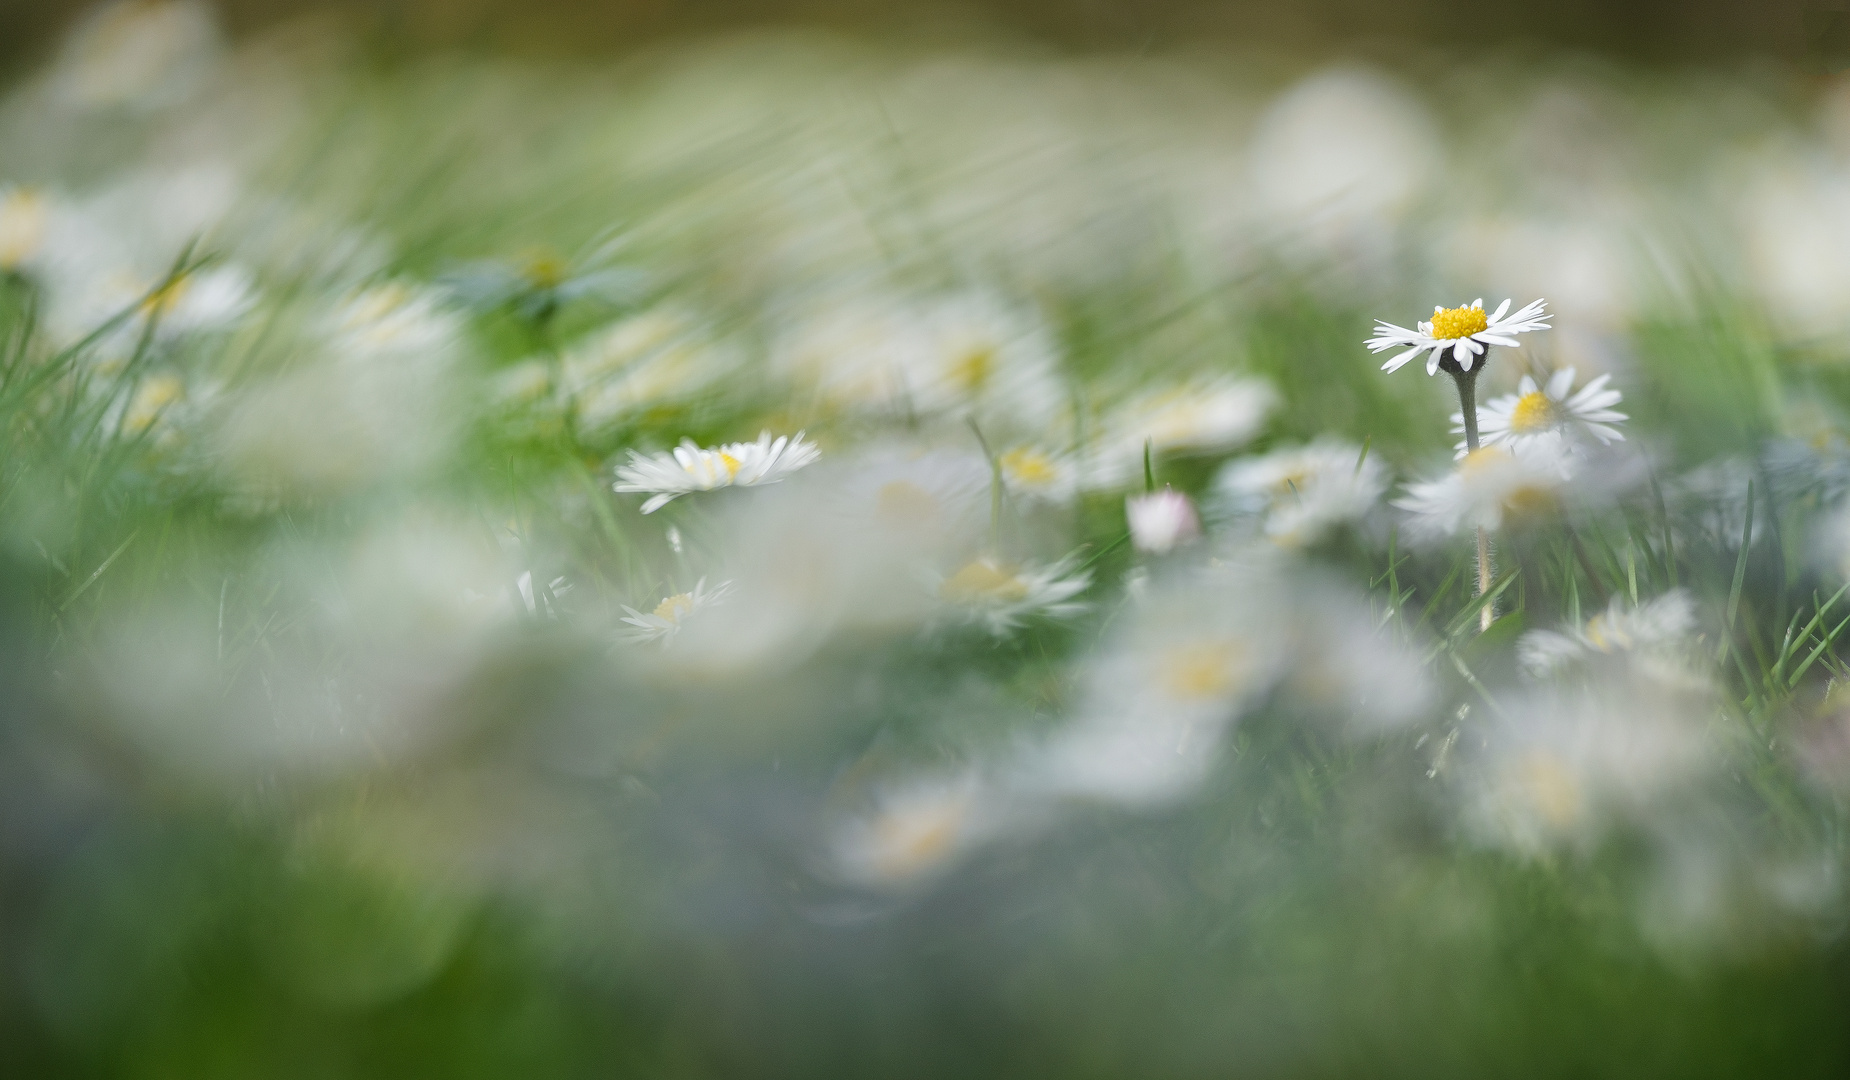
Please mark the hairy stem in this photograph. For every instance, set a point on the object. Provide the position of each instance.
(1467, 404)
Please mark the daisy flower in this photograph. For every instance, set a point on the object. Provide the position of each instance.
(688, 467)
(1659, 629)
(1034, 473)
(665, 621)
(1302, 491)
(1000, 596)
(23, 216)
(1466, 331)
(1535, 411)
(1488, 485)
(1199, 416)
(916, 830)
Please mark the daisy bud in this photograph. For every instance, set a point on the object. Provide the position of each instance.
(1161, 521)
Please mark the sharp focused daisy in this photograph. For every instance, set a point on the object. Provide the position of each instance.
(688, 467)
(1466, 331)
(1552, 409)
(999, 595)
(663, 623)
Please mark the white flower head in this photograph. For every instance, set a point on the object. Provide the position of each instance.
(396, 319)
(1489, 485)
(1001, 595)
(1655, 632)
(1466, 331)
(1161, 521)
(639, 363)
(1564, 766)
(1201, 415)
(1302, 491)
(1552, 409)
(665, 621)
(915, 831)
(24, 221)
(1031, 472)
(689, 468)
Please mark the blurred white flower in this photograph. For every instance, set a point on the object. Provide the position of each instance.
(916, 830)
(1561, 766)
(138, 53)
(1034, 473)
(1534, 411)
(23, 222)
(1488, 486)
(394, 318)
(968, 354)
(1337, 160)
(1201, 415)
(1302, 491)
(1157, 699)
(663, 623)
(639, 363)
(1658, 630)
(1000, 595)
(1467, 331)
(1161, 521)
(689, 468)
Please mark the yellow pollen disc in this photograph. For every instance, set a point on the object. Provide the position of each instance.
(1550, 788)
(22, 227)
(675, 608)
(732, 464)
(972, 370)
(544, 269)
(1203, 672)
(1529, 501)
(1535, 411)
(1459, 322)
(1482, 459)
(909, 843)
(982, 580)
(1027, 466)
(166, 298)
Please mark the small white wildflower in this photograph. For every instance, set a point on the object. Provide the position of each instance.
(24, 215)
(999, 595)
(1487, 486)
(915, 831)
(1302, 491)
(690, 468)
(1535, 412)
(1658, 629)
(1466, 331)
(1202, 415)
(663, 623)
(1161, 521)
(1033, 473)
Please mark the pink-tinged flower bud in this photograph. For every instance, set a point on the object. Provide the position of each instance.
(1161, 521)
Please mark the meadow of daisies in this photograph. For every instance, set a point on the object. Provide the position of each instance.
(781, 556)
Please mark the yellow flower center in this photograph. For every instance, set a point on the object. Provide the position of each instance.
(732, 464)
(980, 581)
(971, 371)
(1550, 788)
(1030, 467)
(1535, 411)
(544, 269)
(152, 398)
(1482, 459)
(1458, 322)
(1205, 671)
(22, 227)
(909, 843)
(1529, 501)
(676, 607)
(163, 300)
